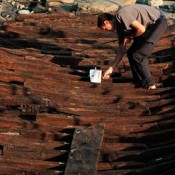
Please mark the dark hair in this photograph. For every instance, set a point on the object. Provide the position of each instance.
(102, 17)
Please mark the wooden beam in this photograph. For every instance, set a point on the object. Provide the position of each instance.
(85, 150)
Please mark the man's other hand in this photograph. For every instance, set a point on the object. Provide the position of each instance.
(107, 73)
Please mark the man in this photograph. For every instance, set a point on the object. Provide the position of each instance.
(145, 25)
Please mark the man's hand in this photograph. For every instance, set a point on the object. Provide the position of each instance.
(108, 73)
(127, 40)
(116, 61)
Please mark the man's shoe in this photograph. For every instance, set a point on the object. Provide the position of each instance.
(138, 84)
(152, 87)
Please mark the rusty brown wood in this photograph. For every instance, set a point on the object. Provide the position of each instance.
(155, 168)
(33, 164)
(29, 153)
(13, 169)
(32, 70)
(84, 152)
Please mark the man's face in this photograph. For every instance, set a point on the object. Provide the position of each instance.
(107, 25)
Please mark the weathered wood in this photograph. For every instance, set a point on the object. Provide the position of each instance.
(85, 149)
(45, 94)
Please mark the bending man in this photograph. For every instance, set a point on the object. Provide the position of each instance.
(145, 25)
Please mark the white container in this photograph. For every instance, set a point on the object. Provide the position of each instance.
(95, 75)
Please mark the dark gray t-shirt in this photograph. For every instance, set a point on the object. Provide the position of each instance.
(142, 13)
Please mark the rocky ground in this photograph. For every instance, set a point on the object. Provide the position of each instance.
(106, 5)
(46, 95)
(98, 6)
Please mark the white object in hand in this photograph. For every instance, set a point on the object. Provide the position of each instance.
(95, 75)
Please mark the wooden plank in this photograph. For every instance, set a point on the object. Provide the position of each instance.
(85, 150)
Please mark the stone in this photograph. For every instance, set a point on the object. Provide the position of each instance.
(54, 4)
(142, 2)
(155, 3)
(61, 1)
(23, 12)
(102, 5)
(126, 2)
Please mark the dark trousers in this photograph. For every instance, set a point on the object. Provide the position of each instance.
(140, 51)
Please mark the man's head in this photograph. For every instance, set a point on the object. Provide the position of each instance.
(105, 21)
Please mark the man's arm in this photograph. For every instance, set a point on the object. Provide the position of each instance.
(139, 28)
(117, 60)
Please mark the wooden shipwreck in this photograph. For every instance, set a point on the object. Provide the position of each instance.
(53, 121)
